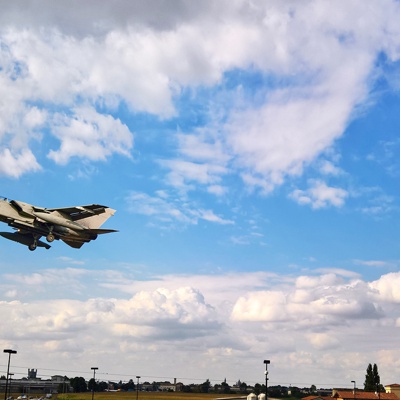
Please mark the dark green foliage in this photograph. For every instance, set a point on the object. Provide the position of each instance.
(205, 387)
(78, 384)
(243, 387)
(257, 389)
(225, 387)
(372, 380)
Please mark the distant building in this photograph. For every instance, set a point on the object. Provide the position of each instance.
(361, 395)
(170, 387)
(354, 395)
(33, 384)
(32, 373)
(393, 388)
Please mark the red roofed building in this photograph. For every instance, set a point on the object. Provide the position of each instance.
(393, 388)
(360, 395)
(357, 395)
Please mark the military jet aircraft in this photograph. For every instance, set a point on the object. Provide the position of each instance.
(73, 225)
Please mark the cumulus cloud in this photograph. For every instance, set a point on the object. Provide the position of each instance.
(205, 319)
(178, 314)
(319, 300)
(387, 287)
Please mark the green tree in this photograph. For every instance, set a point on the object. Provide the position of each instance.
(243, 387)
(369, 379)
(78, 384)
(257, 389)
(93, 385)
(128, 386)
(225, 387)
(205, 386)
(187, 389)
(373, 380)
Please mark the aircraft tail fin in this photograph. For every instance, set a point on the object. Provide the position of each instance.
(95, 220)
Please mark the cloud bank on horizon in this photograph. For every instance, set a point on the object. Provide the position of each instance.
(262, 132)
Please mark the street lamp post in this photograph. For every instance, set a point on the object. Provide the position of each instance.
(354, 389)
(137, 387)
(266, 362)
(9, 383)
(9, 351)
(94, 379)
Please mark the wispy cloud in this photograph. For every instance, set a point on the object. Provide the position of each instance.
(170, 210)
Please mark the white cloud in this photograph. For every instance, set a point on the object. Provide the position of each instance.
(181, 313)
(186, 173)
(170, 210)
(66, 76)
(323, 341)
(196, 148)
(320, 195)
(15, 165)
(207, 319)
(90, 135)
(373, 263)
(322, 59)
(209, 215)
(316, 300)
(202, 318)
(217, 190)
(261, 306)
(328, 168)
(387, 287)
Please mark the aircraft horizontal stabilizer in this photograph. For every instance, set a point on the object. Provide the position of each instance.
(72, 243)
(101, 231)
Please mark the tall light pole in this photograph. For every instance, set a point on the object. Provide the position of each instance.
(9, 382)
(266, 362)
(137, 388)
(354, 389)
(9, 351)
(94, 379)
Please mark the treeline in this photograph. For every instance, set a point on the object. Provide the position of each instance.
(79, 384)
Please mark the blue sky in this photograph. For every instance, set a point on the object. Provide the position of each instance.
(251, 152)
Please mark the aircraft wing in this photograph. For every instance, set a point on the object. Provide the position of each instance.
(79, 212)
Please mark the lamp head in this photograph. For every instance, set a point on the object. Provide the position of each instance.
(9, 351)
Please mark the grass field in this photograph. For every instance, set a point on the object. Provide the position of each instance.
(142, 396)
